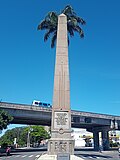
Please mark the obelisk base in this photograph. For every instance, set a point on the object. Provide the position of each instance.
(54, 157)
(60, 145)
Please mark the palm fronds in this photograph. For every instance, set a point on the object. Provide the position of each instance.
(50, 24)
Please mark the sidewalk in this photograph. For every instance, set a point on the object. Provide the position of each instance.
(30, 149)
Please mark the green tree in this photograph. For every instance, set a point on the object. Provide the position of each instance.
(9, 136)
(37, 133)
(5, 119)
(51, 21)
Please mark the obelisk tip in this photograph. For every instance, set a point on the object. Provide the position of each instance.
(62, 15)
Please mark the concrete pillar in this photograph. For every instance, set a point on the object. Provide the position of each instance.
(96, 140)
(105, 139)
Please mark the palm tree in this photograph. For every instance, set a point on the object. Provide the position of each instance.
(51, 21)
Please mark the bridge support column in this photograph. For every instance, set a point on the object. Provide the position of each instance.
(105, 139)
(96, 140)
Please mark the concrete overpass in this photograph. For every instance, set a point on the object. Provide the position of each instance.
(93, 122)
(32, 115)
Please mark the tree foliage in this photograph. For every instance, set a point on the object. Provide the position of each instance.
(5, 119)
(50, 24)
(37, 133)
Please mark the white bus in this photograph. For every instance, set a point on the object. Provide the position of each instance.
(39, 103)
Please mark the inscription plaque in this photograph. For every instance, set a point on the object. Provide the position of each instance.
(64, 156)
(61, 120)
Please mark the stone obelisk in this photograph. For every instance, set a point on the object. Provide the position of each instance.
(61, 140)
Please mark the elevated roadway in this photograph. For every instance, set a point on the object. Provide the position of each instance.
(32, 115)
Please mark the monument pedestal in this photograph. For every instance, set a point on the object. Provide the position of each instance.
(57, 145)
(61, 140)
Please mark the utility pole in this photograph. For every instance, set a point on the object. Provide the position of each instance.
(28, 136)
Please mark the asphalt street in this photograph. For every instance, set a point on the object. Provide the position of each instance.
(92, 155)
(85, 155)
(22, 155)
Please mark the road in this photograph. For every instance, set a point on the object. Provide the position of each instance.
(22, 155)
(92, 155)
(85, 155)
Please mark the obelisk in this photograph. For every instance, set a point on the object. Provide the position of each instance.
(61, 140)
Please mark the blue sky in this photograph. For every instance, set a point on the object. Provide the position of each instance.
(27, 63)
